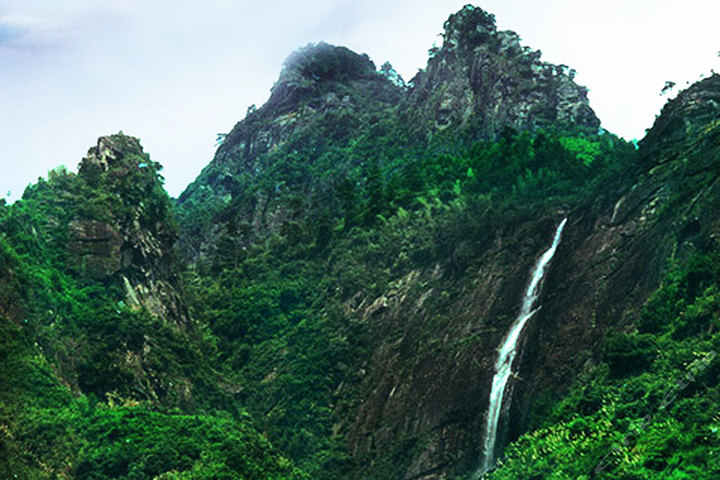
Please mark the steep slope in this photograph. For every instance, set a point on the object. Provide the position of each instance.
(105, 236)
(324, 98)
(430, 375)
(357, 252)
(638, 311)
(331, 119)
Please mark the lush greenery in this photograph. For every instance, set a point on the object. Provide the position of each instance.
(361, 202)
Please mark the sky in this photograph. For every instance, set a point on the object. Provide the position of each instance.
(177, 73)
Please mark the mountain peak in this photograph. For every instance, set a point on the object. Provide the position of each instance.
(485, 79)
(468, 27)
(324, 62)
(317, 70)
(109, 153)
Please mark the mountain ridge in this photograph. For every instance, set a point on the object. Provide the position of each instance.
(509, 88)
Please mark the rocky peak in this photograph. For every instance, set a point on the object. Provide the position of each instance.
(485, 79)
(111, 152)
(318, 73)
(692, 113)
(321, 88)
(125, 230)
(468, 28)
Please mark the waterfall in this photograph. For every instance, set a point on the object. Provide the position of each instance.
(508, 351)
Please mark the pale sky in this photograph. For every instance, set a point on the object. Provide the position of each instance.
(176, 73)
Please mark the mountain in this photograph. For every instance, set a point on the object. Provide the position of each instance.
(105, 374)
(329, 298)
(332, 117)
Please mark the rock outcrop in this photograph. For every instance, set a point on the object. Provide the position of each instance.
(484, 79)
(127, 231)
(323, 95)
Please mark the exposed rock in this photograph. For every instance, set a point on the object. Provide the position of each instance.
(322, 88)
(95, 247)
(421, 396)
(694, 113)
(485, 79)
(425, 390)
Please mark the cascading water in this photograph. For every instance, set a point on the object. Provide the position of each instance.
(508, 351)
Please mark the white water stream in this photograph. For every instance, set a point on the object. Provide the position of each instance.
(509, 349)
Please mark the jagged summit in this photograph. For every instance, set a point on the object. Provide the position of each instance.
(126, 232)
(481, 81)
(120, 154)
(485, 79)
(109, 153)
(320, 75)
(468, 28)
(323, 93)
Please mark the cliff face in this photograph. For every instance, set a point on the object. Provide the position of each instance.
(104, 372)
(485, 79)
(103, 282)
(329, 102)
(324, 93)
(618, 253)
(342, 161)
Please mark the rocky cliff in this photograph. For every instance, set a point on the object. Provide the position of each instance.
(428, 380)
(415, 404)
(330, 100)
(324, 96)
(105, 374)
(105, 275)
(486, 80)
(299, 185)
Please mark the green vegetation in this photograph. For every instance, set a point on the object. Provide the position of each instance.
(92, 386)
(350, 211)
(246, 352)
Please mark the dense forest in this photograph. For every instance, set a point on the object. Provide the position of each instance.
(328, 298)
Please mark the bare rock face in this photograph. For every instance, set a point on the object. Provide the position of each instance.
(96, 247)
(426, 385)
(485, 79)
(321, 88)
(693, 113)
